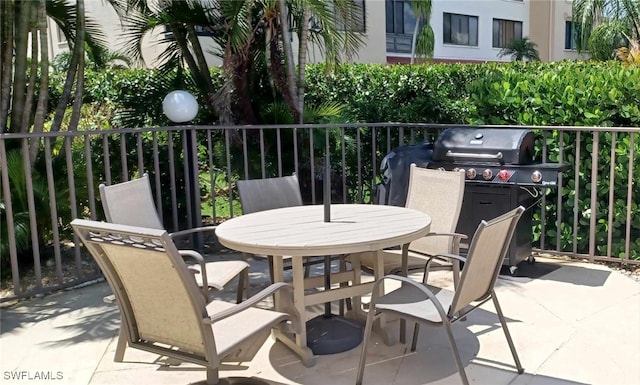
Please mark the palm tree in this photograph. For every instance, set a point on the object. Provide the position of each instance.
(423, 40)
(253, 37)
(23, 25)
(602, 26)
(521, 50)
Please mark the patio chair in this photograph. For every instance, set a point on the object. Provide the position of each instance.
(422, 303)
(439, 194)
(131, 203)
(272, 193)
(165, 313)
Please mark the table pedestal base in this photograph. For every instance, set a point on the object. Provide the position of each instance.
(329, 334)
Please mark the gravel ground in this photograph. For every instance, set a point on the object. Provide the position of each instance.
(632, 272)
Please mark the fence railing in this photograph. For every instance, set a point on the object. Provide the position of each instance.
(48, 179)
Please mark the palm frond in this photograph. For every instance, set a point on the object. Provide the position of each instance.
(21, 231)
(606, 38)
(425, 42)
(521, 49)
(589, 15)
(137, 26)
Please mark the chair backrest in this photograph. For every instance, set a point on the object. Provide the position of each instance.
(270, 193)
(439, 194)
(484, 260)
(158, 298)
(130, 203)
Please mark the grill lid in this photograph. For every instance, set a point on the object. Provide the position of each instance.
(491, 145)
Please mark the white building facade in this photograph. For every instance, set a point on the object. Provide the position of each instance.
(476, 30)
(465, 30)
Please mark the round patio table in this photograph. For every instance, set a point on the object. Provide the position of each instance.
(300, 231)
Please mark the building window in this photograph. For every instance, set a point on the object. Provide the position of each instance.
(460, 29)
(400, 17)
(505, 32)
(569, 36)
(354, 22)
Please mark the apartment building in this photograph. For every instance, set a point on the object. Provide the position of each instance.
(551, 27)
(476, 30)
(465, 30)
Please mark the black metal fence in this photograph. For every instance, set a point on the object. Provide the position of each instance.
(49, 179)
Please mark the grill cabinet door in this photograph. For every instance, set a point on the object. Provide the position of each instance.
(489, 201)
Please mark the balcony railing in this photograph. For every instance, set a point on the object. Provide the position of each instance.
(49, 179)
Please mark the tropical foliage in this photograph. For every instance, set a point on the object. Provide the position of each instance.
(254, 40)
(564, 94)
(602, 26)
(521, 50)
(629, 55)
(423, 40)
(25, 66)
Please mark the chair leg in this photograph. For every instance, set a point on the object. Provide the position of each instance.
(243, 286)
(307, 267)
(343, 268)
(503, 322)
(122, 345)
(425, 274)
(455, 265)
(270, 262)
(456, 353)
(365, 341)
(414, 340)
(212, 376)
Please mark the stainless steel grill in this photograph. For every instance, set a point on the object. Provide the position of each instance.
(501, 174)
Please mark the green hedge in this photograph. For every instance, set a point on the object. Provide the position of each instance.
(133, 95)
(564, 93)
(573, 94)
(401, 93)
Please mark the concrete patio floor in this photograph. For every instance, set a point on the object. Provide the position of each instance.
(578, 324)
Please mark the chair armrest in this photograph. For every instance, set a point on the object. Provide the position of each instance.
(287, 304)
(202, 229)
(203, 269)
(452, 256)
(455, 266)
(456, 236)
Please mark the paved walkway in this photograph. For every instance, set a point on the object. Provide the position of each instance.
(578, 324)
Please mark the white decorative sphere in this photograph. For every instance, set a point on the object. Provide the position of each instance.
(180, 106)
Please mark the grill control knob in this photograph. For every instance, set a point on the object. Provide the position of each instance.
(487, 174)
(456, 169)
(471, 173)
(536, 176)
(504, 175)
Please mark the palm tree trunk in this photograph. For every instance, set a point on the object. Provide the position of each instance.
(182, 41)
(6, 59)
(302, 61)
(79, 49)
(241, 66)
(200, 59)
(288, 50)
(414, 39)
(66, 92)
(20, 71)
(77, 53)
(43, 94)
(279, 75)
(31, 86)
